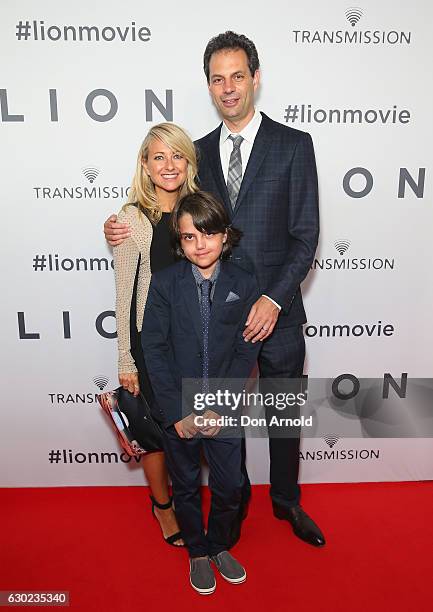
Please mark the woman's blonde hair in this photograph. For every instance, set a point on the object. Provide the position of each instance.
(142, 191)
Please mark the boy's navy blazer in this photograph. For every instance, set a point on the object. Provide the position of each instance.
(172, 336)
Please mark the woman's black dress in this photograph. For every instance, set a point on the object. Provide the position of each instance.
(161, 256)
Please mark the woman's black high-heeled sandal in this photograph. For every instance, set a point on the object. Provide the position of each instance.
(176, 536)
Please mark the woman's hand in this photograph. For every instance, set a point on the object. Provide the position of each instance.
(130, 382)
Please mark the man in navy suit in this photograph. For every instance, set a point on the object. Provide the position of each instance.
(273, 199)
(268, 182)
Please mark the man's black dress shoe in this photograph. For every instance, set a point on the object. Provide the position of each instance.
(303, 526)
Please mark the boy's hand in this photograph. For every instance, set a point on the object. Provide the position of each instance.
(210, 430)
(116, 233)
(261, 320)
(186, 428)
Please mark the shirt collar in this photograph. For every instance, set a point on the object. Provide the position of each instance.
(248, 133)
(199, 278)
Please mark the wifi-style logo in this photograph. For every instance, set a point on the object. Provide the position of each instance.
(101, 381)
(353, 15)
(91, 173)
(342, 246)
(331, 440)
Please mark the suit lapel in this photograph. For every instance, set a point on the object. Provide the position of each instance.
(214, 159)
(258, 153)
(190, 297)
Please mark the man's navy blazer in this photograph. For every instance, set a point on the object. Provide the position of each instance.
(277, 209)
(172, 336)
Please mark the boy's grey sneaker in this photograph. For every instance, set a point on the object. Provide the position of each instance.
(201, 575)
(229, 568)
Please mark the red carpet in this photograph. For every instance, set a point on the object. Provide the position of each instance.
(102, 545)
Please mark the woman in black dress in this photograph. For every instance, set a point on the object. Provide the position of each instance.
(166, 170)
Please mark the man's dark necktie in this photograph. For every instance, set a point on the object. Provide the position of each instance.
(234, 175)
(205, 317)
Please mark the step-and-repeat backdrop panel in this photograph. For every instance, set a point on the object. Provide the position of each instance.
(80, 86)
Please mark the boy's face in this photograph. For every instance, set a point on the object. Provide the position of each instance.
(203, 250)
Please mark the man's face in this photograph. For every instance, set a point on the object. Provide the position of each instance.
(231, 85)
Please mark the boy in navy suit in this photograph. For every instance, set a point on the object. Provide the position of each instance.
(195, 315)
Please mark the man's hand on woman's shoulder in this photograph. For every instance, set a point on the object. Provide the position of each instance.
(115, 232)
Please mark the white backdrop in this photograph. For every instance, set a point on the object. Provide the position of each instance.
(312, 57)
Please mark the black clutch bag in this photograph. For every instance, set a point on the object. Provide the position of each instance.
(136, 429)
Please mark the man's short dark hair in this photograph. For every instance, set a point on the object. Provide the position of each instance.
(209, 217)
(233, 41)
